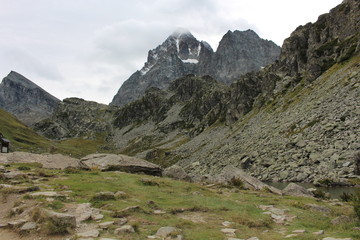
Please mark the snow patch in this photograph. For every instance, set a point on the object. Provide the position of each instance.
(190, 60)
(199, 49)
(177, 45)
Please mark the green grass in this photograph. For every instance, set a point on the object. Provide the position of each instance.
(181, 199)
(25, 139)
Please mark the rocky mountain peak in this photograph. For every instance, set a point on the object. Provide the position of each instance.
(182, 54)
(26, 100)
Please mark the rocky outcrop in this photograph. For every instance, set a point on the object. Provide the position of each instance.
(240, 52)
(113, 162)
(182, 54)
(76, 117)
(295, 190)
(27, 101)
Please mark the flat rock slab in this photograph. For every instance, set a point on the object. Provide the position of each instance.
(45, 194)
(118, 162)
(51, 161)
(89, 234)
(28, 226)
(124, 229)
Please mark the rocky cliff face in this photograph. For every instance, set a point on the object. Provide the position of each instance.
(26, 100)
(76, 117)
(239, 53)
(182, 54)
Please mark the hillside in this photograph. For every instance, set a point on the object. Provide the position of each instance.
(25, 139)
(77, 204)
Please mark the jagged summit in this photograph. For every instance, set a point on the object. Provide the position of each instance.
(20, 79)
(182, 54)
(179, 32)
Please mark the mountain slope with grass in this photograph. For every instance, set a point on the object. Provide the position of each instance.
(81, 204)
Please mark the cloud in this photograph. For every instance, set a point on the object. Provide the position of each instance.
(20, 60)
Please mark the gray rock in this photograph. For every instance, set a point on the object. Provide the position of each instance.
(177, 173)
(106, 162)
(166, 231)
(318, 208)
(124, 229)
(230, 172)
(106, 225)
(295, 190)
(59, 219)
(89, 234)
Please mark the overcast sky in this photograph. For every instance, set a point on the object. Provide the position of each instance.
(88, 48)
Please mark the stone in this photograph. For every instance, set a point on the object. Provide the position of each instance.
(295, 190)
(231, 172)
(83, 212)
(61, 219)
(226, 223)
(299, 231)
(89, 234)
(14, 175)
(127, 211)
(124, 229)
(320, 232)
(292, 235)
(45, 194)
(16, 223)
(341, 219)
(120, 195)
(97, 216)
(229, 231)
(108, 239)
(166, 231)
(107, 162)
(253, 238)
(159, 212)
(177, 173)
(104, 196)
(318, 208)
(106, 225)
(120, 221)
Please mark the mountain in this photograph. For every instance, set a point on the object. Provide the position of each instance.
(23, 98)
(296, 119)
(182, 54)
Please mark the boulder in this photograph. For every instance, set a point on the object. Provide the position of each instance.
(177, 173)
(163, 232)
(28, 226)
(124, 229)
(114, 162)
(51, 161)
(295, 190)
(62, 222)
(230, 172)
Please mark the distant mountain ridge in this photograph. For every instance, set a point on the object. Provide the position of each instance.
(26, 100)
(182, 54)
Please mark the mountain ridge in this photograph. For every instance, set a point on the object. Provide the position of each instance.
(182, 54)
